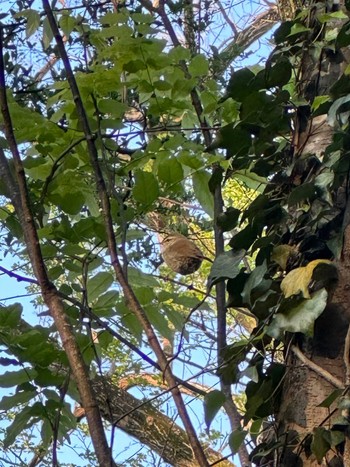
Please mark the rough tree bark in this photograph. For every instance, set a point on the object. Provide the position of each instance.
(304, 389)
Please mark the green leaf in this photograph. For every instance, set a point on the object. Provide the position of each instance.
(70, 202)
(36, 347)
(298, 28)
(318, 101)
(235, 440)
(67, 23)
(213, 401)
(198, 66)
(228, 219)
(175, 317)
(105, 303)
(23, 420)
(146, 188)
(239, 85)
(331, 398)
(343, 38)
(140, 279)
(253, 281)
(159, 321)
(299, 318)
(320, 445)
(10, 316)
(250, 179)
(145, 295)
(306, 191)
(162, 85)
(47, 33)
(22, 397)
(46, 433)
(112, 107)
(98, 285)
(246, 237)
(226, 266)
(14, 378)
(33, 20)
(325, 17)
(200, 181)
(279, 74)
(170, 171)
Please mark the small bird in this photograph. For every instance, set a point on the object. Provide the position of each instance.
(180, 254)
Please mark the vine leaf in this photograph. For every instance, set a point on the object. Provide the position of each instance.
(281, 254)
(299, 318)
(236, 438)
(225, 266)
(299, 279)
(320, 443)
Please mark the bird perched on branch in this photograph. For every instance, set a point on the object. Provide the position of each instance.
(179, 253)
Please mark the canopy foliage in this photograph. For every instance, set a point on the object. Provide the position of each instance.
(114, 110)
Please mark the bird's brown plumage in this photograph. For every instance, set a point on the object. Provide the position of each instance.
(181, 254)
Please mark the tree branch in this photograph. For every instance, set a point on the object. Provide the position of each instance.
(21, 201)
(317, 369)
(243, 39)
(150, 426)
(129, 294)
(229, 405)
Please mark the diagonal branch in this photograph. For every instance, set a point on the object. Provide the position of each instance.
(21, 201)
(230, 407)
(244, 39)
(129, 294)
(150, 426)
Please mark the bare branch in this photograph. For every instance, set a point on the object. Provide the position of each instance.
(317, 369)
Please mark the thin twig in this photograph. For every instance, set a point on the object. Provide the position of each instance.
(227, 18)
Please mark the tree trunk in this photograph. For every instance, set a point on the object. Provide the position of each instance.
(304, 388)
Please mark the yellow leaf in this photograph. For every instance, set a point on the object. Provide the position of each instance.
(281, 253)
(298, 280)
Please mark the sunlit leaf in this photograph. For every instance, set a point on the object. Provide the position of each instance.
(300, 318)
(146, 188)
(281, 254)
(201, 189)
(298, 280)
(98, 285)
